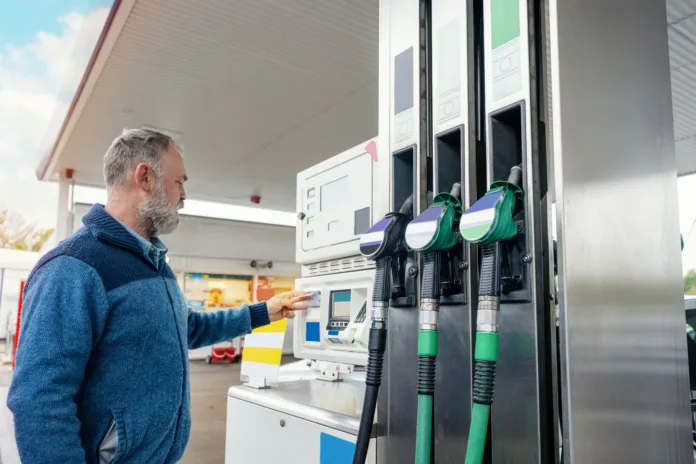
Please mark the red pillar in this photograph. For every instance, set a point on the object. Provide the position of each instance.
(19, 318)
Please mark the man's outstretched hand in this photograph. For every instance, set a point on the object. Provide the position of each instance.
(282, 305)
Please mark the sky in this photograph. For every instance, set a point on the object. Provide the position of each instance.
(45, 46)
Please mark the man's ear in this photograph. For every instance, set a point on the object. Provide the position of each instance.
(144, 177)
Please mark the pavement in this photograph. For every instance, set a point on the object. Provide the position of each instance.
(8, 448)
(209, 385)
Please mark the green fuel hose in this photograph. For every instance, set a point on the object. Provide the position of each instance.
(486, 353)
(488, 222)
(427, 354)
(432, 233)
(477, 432)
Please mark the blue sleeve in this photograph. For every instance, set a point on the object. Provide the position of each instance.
(207, 328)
(63, 316)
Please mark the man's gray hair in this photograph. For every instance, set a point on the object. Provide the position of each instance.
(132, 147)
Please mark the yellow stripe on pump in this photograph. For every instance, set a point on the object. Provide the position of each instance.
(262, 355)
(273, 327)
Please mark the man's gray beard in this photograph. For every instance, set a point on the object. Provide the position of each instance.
(157, 215)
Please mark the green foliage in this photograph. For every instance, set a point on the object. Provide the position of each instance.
(17, 234)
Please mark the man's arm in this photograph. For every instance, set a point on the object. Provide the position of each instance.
(208, 328)
(63, 316)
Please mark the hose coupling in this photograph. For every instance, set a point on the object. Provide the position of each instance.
(379, 311)
(429, 314)
(430, 304)
(428, 320)
(487, 320)
(489, 302)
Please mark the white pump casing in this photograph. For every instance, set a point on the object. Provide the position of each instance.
(337, 201)
(313, 339)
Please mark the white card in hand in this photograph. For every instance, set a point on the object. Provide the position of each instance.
(314, 300)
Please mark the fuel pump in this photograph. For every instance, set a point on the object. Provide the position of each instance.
(487, 223)
(383, 243)
(431, 234)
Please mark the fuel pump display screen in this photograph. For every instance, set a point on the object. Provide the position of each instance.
(339, 309)
(333, 194)
(340, 304)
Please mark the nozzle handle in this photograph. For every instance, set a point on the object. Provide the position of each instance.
(381, 290)
(515, 177)
(407, 206)
(430, 285)
(456, 191)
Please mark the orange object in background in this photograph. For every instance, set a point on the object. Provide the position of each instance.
(215, 297)
(19, 318)
(268, 287)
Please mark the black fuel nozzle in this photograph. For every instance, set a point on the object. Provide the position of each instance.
(384, 243)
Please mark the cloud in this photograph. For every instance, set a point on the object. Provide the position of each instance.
(37, 82)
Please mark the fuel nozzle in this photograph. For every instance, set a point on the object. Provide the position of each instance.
(487, 223)
(434, 229)
(432, 234)
(490, 219)
(383, 243)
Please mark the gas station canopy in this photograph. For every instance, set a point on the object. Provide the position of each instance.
(681, 19)
(258, 91)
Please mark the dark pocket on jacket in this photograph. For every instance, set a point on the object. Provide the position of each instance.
(113, 445)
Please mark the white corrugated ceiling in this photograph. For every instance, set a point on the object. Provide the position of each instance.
(259, 90)
(263, 89)
(681, 18)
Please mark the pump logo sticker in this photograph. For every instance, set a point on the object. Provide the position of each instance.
(371, 240)
(421, 231)
(477, 220)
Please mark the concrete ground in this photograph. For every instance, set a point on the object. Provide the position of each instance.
(209, 385)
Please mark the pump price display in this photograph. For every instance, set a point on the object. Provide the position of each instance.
(340, 304)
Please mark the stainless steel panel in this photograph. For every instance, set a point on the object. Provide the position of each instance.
(398, 398)
(624, 364)
(522, 425)
(452, 412)
(396, 407)
(334, 404)
(453, 105)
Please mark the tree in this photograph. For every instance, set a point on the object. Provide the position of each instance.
(17, 234)
(690, 282)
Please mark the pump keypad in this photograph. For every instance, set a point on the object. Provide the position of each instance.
(362, 314)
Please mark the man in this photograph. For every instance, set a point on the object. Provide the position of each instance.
(102, 365)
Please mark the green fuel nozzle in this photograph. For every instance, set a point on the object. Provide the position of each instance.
(434, 229)
(383, 243)
(490, 219)
(431, 234)
(488, 222)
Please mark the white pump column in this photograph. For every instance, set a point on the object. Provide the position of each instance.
(63, 229)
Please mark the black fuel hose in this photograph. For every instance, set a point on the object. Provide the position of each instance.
(376, 347)
(377, 344)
